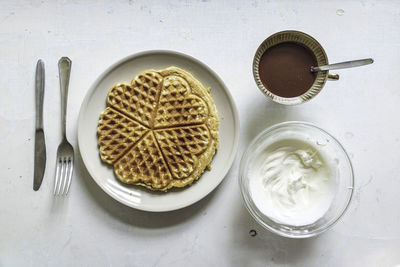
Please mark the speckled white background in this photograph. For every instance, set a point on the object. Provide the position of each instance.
(91, 229)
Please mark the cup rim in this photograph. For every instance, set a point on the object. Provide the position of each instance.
(306, 40)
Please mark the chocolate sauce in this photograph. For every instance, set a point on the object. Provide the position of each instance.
(285, 69)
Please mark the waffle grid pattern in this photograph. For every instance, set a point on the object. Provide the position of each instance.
(116, 134)
(176, 107)
(137, 100)
(154, 131)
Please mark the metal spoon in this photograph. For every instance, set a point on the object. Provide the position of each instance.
(343, 65)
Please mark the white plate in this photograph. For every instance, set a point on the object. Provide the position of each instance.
(134, 196)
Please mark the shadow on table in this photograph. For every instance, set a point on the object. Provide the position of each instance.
(132, 216)
(252, 244)
(264, 113)
(258, 246)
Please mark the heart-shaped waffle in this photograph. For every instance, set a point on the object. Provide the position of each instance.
(181, 147)
(160, 131)
(177, 105)
(138, 99)
(117, 133)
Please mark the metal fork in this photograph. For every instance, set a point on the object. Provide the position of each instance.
(65, 151)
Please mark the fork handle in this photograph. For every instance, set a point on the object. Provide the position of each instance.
(64, 68)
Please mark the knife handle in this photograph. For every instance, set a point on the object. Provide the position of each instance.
(39, 88)
(64, 69)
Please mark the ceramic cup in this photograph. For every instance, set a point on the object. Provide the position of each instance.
(307, 41)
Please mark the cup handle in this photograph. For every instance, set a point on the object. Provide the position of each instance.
(333, 77)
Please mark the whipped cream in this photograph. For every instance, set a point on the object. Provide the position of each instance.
(291, 183)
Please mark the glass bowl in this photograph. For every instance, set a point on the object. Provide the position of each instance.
(340, 163)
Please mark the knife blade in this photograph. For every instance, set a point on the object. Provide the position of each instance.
(40, 145)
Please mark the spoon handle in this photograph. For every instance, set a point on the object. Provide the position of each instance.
(344, 65)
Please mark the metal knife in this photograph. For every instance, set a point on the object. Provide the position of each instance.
(40, 146)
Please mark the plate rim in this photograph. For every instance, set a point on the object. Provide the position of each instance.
(94, 85)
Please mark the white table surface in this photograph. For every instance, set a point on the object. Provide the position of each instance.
(89, 228)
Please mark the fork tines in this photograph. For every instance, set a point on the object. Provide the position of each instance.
(63, 179)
